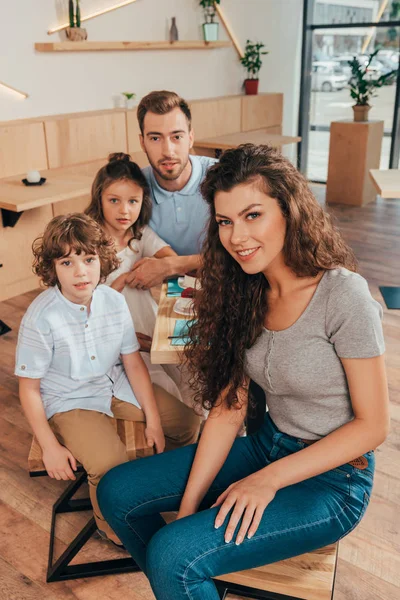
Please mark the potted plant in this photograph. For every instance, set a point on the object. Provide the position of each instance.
(75, 32)
(210, 27)
(363, 88)
(129, 98)
(252, 61)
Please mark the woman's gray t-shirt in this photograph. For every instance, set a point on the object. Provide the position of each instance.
(299, 367)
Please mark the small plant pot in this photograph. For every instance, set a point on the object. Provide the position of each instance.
(210, 32)
(251, 86)
(361, 112)
(76, 34)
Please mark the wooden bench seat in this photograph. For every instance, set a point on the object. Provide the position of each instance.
(309, 576)
(131, 434)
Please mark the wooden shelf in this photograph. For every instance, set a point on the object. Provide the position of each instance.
(107, 46)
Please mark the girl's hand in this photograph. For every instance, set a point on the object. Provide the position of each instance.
(119, 283)
(59, 462)
(155, 437)
(249, 497)
(144, 341)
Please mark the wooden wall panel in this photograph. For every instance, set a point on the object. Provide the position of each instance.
(263, 110)
(79, 139)
(22, 147)
(133, 131)
(70, 206)
(16, 275)
(216, 116)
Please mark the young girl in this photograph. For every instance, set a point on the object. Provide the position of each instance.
(70, 346)
(280, 304)
(121, 204)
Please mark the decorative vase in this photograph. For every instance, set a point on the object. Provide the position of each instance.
(210, 32)
(76, 34)
(361, 112)
(129, 103)
(173, 32)
(251, 87)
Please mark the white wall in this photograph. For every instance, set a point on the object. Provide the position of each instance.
(71, 82)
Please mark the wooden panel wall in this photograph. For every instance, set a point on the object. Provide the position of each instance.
(263, 110)
(75, 139)
(16, 275)
(22, 147)
(133, 131)
(216, 116)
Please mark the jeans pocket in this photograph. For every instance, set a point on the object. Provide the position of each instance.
(360, 516)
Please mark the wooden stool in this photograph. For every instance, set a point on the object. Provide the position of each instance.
(309, 576)
(132, 435)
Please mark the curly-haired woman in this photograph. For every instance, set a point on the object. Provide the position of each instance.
(281, 304)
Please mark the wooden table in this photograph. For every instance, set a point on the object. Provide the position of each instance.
(162, 351)
(387, 182)
(67, 183)
(258, 136)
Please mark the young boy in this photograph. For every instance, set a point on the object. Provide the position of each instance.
(70, 346)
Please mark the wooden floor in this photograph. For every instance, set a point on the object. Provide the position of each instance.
(369, 562)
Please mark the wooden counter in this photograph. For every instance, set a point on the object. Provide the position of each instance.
(258, 136)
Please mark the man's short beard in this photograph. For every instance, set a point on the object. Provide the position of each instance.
(167, 177)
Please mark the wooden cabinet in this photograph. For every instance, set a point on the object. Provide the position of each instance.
(354, 149)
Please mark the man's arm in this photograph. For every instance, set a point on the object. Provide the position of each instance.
(149, 272)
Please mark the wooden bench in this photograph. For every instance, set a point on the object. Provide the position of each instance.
(132, 435)
(309, 576)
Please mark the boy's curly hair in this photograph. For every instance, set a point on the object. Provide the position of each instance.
(73, 232)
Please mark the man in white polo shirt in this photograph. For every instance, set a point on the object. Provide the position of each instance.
(179, 214)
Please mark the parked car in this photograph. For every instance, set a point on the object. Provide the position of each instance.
(327, 76)
(374, 71)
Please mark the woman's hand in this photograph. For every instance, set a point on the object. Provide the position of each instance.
(144, 341)
(59, 462)
(249, 497)
(155, 437)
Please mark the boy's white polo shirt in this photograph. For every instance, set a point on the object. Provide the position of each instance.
(76, 356)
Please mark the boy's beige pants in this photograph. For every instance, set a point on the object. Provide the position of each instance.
(92, 439)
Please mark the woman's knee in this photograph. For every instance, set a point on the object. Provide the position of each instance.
(166, 555)
(112, 492)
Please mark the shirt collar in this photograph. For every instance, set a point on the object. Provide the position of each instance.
(160, 195)
(75, 308)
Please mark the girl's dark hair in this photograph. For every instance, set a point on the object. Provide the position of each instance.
(231, 306)
(120, 167)
(74, 232)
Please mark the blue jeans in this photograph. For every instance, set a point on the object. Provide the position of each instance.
(181, 558)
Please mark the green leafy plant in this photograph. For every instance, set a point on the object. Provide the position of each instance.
(129, 95)
(362, 88)
(209, 9)
(74, 14)
(252, 58)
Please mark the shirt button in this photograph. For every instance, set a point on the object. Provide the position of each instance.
(23, 367)
(86, 325)
(92, 357)
(82, 308)
(179, 208)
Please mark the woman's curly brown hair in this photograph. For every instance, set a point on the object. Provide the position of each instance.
(232, 305)
(120, 167)
(74, 232)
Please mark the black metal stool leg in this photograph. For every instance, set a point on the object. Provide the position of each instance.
(61, 570)
(4, 328)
